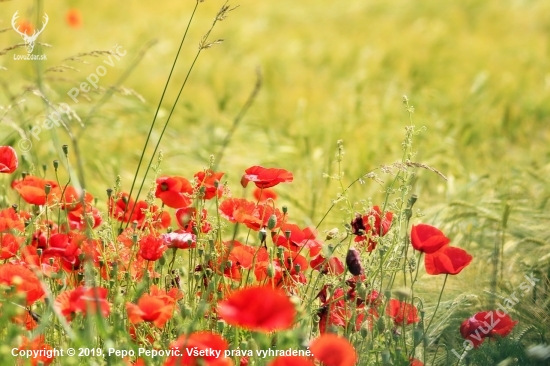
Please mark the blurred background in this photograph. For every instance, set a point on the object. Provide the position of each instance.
(476, 71)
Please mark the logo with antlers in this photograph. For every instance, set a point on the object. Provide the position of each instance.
(29, 40)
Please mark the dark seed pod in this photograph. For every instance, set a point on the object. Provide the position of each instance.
(353, 262)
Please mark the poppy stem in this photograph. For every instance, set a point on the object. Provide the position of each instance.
(437, 306)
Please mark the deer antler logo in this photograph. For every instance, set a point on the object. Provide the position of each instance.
(29, 40)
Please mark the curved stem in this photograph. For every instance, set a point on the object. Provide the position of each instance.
(437, 306)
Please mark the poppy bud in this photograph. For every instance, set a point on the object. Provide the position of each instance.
(380, 324)
(220, 325)
(280, 251)
(412, 200)
(47, 188)
(272, 222)
(65, 149)
(270, 271)
(262, 235)
(364, 329)
(362, 291)
(353, 262)
(55, 164)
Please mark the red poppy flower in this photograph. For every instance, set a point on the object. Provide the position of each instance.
(340, 314)
(243, 257)
(333, 265)
(24, 280)
(84, 299)
(415, 362)
(265, 177)
(291, 361)
(32, 189)
(29, 255)
(339, 308)
(368, 233)
(262, 195)
(42, 353)
(255, 217)
(74, 18)
(332, 350)
(8, 159)
(67, 248)
(448, 260)
(200, 348)
(486, 324)
(9, 219)
(298, 238)
(180, 239)
(402, 312)
(70, 199)
(79, 220)
(187, 219)
(427, 239)
(9, 245)
(260, 309)
(25, 319)
(152, 247)
(150, 216)
(207, 181)
(152, 309)
(26, 27)
(175, 192)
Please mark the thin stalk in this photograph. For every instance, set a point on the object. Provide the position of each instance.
(158, 108)
(437, 306)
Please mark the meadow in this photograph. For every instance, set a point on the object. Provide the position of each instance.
(449, 102)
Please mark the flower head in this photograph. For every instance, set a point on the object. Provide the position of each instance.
(333, 350)
(265, 177)
(486, 324)
(449, 260)
(402, 312)
(74, 18)
(260, 309)
(427, 239)
(8, 159)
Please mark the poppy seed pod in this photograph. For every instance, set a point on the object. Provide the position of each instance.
(353, 262)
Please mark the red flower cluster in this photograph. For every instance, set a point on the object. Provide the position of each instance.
(440, 258)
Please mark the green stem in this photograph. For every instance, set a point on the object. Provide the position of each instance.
(437, 306)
